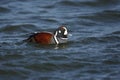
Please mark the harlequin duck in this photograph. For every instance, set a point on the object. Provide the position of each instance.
(59, 36)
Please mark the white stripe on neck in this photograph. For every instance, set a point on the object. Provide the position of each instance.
(55, 37)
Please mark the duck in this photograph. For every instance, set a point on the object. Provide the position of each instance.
(59, 36)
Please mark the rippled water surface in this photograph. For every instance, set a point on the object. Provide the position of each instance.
(93, 50)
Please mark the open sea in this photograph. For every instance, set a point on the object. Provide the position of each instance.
(93, 49)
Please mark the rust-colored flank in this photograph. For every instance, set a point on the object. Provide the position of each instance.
(43, 38)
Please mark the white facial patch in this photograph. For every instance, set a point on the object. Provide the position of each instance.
(66, 32)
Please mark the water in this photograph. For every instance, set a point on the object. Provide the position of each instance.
(93, 50)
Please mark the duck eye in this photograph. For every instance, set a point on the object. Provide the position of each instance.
(59, 31)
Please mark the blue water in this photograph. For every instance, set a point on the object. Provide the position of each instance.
(93, 49)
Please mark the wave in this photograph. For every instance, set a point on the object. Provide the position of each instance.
(100, 3)
(91, 3)
(104, 39)
(115, 33)
(17, 28)
(104, 16)
(4, 10)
